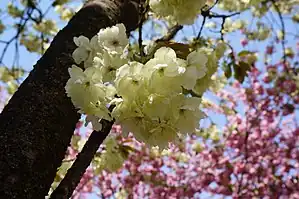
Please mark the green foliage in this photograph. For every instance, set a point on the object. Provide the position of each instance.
(240, 70)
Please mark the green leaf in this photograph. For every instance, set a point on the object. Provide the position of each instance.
(244, 53)
(181, 50)
(227, 69)
(17, 73)
(240, 71)
(5, 75)
(75, 141)
(12, 87)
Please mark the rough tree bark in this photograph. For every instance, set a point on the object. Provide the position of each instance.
(37, 124)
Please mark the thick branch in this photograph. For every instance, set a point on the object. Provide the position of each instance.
(74, 174)
(37, 124)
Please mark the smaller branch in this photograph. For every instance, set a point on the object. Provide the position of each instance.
(283, 30)
(140, 40)
(213, 5)
(143, 9)
(7, 44)
(140, 31)
(222, 29)
(223, 17)
(171, 33)
(206, 13)
(69, 183)
(201, 27)
(15, 63)
(24, 20)
(3, 42)
(22, 23)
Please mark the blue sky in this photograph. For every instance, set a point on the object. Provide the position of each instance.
(29, 59)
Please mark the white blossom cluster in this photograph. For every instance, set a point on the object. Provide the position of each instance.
(181, 11)
(151, 100)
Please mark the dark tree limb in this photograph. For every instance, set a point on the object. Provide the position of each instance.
(73, 176)
(37, 124)
(70, 181)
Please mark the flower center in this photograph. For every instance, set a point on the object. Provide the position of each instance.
(115, 42)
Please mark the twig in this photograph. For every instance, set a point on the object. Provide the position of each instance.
(283, 30)
(21, 27)
(207, 14)
(214, 5)
(140, 40)
(24, 20)
(171, 33)
(201, 27)
(223, 17)
(75, 173)
(143, 9)
(140, 31)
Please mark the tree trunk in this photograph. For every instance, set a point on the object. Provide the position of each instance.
(37, 124)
